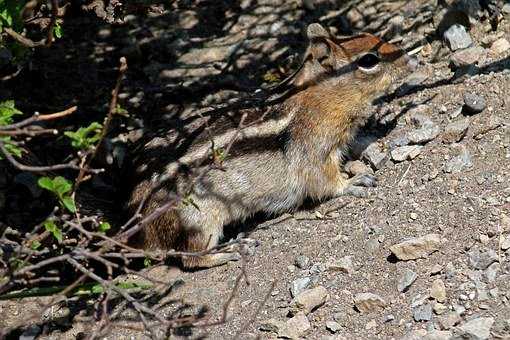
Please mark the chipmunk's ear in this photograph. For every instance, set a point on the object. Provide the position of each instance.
(319, 48)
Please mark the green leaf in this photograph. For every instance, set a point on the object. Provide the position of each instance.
(57, 30)
(61, 185)
(46, 183)
(85, 137)
(8, 111)
(68, 203)
(10, 147)
(147, 262)
(104, 226)
(96, 289)
(35, 245)
(53, 229)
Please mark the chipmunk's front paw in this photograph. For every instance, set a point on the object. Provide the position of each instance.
(359, 184)
(363, 180)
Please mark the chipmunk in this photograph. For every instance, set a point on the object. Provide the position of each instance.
(295, 152)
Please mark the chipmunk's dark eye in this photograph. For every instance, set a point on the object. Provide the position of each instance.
(368, 61)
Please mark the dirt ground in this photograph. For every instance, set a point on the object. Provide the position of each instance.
(457, 187)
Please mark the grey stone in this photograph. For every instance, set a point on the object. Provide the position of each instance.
(412, 81)
(368, 302)
(407, 152)
(456, 130)
(309, 300)
(299, 285)
(439, 308)
(481, 260)
(476, 329)
(449, 320)
(406, 280)
(473, 103)
(506, 8)
(389, 318)
(423, 313)
(418, 247)
(398, 141)
(437, 335)
(302, 262)
(296, 326)
(505, 243)
(417, 118)
(460, 162)
(333, 326)
(492, 271)
(343, 264)
(481, 291)
(375, 156)
(468, 56)
(424, 134)
(418, 334)
(317, 268)
(457, 37)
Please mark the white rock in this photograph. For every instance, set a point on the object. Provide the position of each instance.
(476, 329)
(309, 300)
(418, 247)
(500, 46)
(368, 302)
(343, 265)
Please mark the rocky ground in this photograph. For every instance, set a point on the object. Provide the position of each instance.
(425, 254)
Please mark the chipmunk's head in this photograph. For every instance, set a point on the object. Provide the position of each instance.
(362, 62)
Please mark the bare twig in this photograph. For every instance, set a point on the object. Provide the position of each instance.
(54, 167)
(38, 117)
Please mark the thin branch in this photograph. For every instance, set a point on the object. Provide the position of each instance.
(54, 167)
(38, 117)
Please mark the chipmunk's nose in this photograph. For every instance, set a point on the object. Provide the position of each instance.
(411, 62)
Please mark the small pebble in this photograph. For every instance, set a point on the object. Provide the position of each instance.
(457, 37)
(406, 280)
(368, 302)
(333, 326)
(438, 290)
(500, 46)
(302, 262)
(423, 313)
(473, 103)
(309, 300)
(418, 247)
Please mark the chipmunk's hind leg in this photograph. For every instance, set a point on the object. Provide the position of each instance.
(201, 240)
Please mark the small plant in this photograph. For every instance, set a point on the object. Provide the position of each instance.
(85, 137)
(57, 30)
(61, 187)
(104, 227)
(53, 229)
(7, 113)
(10, 14)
